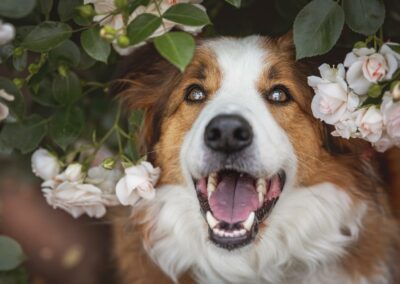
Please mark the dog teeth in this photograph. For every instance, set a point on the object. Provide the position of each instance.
(261, 186)
(249, 222)
(212, 222)
(230, 234)
(211, 183)
(261, 198)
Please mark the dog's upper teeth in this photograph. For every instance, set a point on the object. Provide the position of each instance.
(261, 185)
(211, 183)
(249, 222)
(212, 222)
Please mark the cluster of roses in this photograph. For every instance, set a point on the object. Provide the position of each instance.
(89, 192)
(7, 34)
(361, 97)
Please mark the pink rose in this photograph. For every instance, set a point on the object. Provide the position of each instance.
(374, 67)
(383, 144)
(391, 117)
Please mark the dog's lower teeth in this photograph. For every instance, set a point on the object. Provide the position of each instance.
(249, 222)
(212, 222)
(229, 234)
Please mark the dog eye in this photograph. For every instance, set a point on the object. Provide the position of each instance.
(195, 94)
(278, 95)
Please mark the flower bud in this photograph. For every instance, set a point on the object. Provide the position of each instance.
(108, 33)
(44, 164)
(120, 4)
(108, 163)
(19, 82)
(374, 91)
(86, 11)
(360, 44)
(18, 52)
(123, 41)
(33, 68)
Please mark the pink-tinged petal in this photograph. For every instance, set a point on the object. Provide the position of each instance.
(146, 191)
(314, 81)
(125, 195)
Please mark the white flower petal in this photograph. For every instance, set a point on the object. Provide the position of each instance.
(356, 79)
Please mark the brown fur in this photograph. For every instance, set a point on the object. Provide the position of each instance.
(159, 88)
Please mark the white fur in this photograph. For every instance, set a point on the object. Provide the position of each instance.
(302, 242)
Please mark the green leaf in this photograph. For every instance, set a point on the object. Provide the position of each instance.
(17, 107)
(395, 47)
(94, 45)
(24, 135)
(16, 8)
(67, 89)
(66, 126)
(11, 255)
(20, 62)
(15, 276)
(364, 16)
(235, 3)
(186, 14)
(177, 47)
(86, 61)
(133, 4)
(142, 27)
(66, 9)
(43, 94)
(45, 6)
(68, 53)
(317, 28)
(46, 36)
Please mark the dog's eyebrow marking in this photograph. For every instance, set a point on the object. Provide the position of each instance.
(199, 73)
(273, 73)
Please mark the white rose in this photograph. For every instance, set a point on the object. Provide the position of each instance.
(116, 21)
(366, 67)
(7, 33)
(4, 111)
(370, 123)
(346, 128)
(45, 165)
(383, 144)
(139, 181)
(76, 199)
(332, 100)
(391, 117)
(73, 173)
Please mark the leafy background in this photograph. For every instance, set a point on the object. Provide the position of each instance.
(59, 67)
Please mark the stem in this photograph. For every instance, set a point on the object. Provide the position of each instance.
(159, 13)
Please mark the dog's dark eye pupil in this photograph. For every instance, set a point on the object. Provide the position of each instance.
(195, 94)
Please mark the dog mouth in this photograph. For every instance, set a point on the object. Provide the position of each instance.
(235, 203)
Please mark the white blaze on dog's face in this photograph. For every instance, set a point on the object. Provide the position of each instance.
(237, 154)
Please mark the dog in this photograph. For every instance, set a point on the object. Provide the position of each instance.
(253, 188)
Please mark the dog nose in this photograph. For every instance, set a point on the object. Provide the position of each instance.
(228, 133)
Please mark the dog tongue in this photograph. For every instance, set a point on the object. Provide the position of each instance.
(234, 199)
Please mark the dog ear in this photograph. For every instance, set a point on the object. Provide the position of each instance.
(146, 82)
(285, 43)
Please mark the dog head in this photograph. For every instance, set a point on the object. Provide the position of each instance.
(239, 152)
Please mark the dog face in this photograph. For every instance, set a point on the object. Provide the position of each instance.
(247, 187)
(232, 119)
